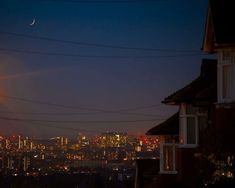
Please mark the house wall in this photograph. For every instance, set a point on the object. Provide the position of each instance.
(224, 129)
(186, 166)
(224, 116)
(146, 170)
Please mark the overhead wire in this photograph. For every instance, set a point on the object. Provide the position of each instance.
(93, 44)
(75, 114)
(39, 121)
(102, 1)
(51, 122)
(87, 56)
(63, 128)
(89, 111)
(34, 52)
(50, 125)
(80, 107)
(85, 122)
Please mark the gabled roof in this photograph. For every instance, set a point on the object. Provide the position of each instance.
(219, 30)
(168, 127)
(201, 91)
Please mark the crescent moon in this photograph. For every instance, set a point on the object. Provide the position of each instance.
(33, 22)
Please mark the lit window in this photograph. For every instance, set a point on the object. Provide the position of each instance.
(167, 158)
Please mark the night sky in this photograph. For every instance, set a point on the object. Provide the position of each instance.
(95, 67)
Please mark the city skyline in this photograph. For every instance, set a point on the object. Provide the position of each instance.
(109, 157)
(23, 155)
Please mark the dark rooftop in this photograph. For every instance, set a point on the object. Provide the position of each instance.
(219, 30)
(223, 19)
(168, 127)
(201, 91)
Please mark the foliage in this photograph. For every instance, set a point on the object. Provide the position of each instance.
(217, 156)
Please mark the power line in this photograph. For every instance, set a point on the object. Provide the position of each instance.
(35, 122)
(56, 127)
(125, 111)
(141, 107)
(75, 114)
(33, 52)
(103, 1)
(64, 128)
(48, 114)
(85, 122)
(47, 103)
(92, 44)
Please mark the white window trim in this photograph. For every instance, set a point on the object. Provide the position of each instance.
(221, 63)
(221, 97)
(162, 171)
(183, 128)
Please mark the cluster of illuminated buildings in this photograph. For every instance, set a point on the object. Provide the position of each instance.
(20, 155)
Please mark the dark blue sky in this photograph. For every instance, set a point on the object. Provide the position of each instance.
(91, 83)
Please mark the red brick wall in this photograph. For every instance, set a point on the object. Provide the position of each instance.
(186, 166)
(224, 116)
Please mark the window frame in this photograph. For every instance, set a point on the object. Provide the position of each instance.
(163, 158)
(183, 127)
(226, 94)
(226, 59)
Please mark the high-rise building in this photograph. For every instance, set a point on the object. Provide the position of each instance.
(82, 140)
(26, 162)
(113, 139)
(19, 142)
(7, 144)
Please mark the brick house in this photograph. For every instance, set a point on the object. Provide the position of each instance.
(180, 134)
(204, 125)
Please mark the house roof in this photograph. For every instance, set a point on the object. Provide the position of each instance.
(201, 91)
(168, 127)
(219, 30)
